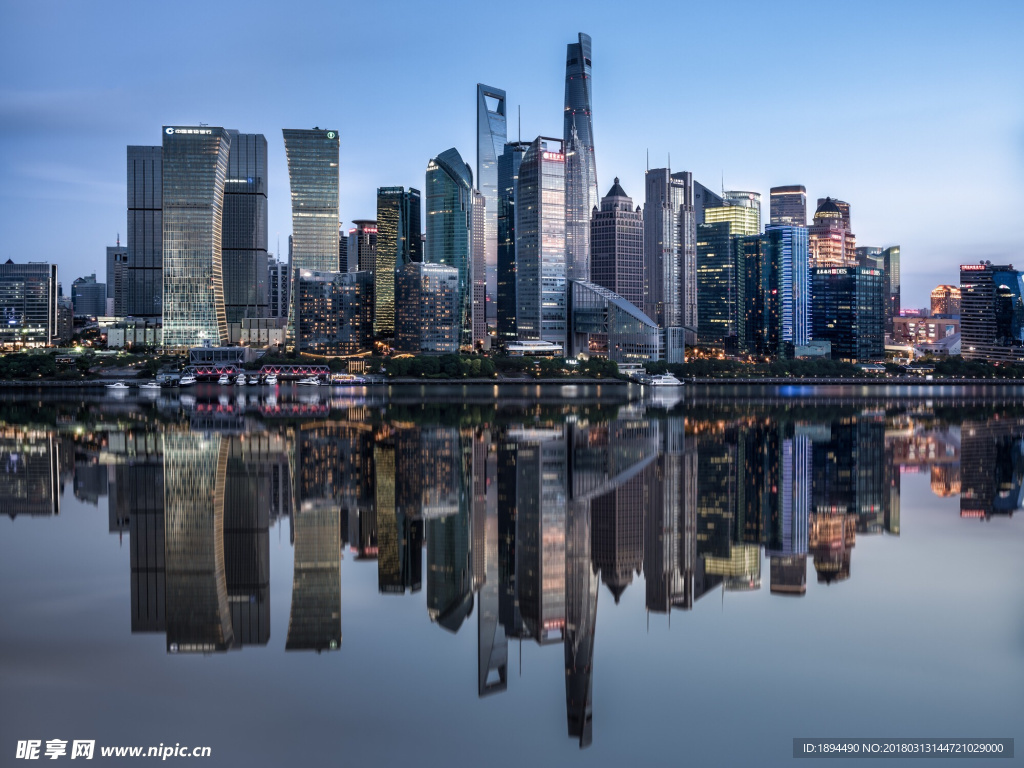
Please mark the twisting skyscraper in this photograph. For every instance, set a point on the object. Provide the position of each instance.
(313, 176)
(491, 136)
(580, 169)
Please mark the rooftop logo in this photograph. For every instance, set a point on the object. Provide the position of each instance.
(171, 131)
(332, 135)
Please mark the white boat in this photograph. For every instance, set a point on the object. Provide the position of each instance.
(150, 385)
(254, 379)
(663, 380)
(310, 381)
(187, 380)
(240, 380)
(118, 385)
(271, 380)
(224, 379)
(347, 379)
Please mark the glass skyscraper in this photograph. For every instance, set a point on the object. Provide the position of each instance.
(449, 228)
(508, 175)
(195, 165)
(670, 256)
(617, 246)
(145, 238)
(491, 135)
(244, 234)
(398, 244)
(540, 243)
(788, 205)
(313, 176)
(28, 304)
(581, 195)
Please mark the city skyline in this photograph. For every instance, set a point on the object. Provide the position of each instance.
(912, 135)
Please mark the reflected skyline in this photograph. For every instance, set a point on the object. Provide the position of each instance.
(518, 517)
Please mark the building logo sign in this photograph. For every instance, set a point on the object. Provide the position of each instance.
(557, 156)
(332, 135)
(171, 131)
(973, 267)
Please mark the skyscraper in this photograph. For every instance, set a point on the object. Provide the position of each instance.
(362, 246)
(449, 193)
(540, 243)
(832, 243)
(117, 279)
(145, 233)
(617, 246)
(427, 305)
(28, 304)
(480, 338)
(946, 300)
(508, 176)
(398, 244)
(703, 198)
(581, 195)
(244, 233)
(992, 312)
(195, 166)
(670, 264)
(788, 205)
(491, 135)
(783, 294)
(313, 177)
(848, 310)
(745, 219)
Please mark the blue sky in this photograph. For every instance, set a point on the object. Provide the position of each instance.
(912, 112)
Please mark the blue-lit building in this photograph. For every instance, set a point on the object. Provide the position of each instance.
(28, 304)
(449, 191)
(785, 290)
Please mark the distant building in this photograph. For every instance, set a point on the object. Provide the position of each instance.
(669, 229)
(603, 324)
(244, 230)
(88, 297)
(362, 246)
(743, 219)
(117, 280)
(848, 310)
(481, 339)
(427, 303)
(946, 301)
(28, 304)
(491, 135)
(778, 291)
(751, 200)
(508, 176)
(788, 206)
(145, 232)
(397, 244)
(335, 312)
(704, 198)
(65, 319)
(718, 284)
(617, 246)
(580, 167)
(924, 330)
(992, 312)
(832, 243)
(277, 289)
(887, 260)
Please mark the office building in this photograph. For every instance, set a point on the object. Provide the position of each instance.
(362, 247)
(244, 232)
(779, 305)
(491, 135)
(603, 324)
(117, 280)
(617, 246)
(313, 178)
(751, 200)
(449, 193)
(481, 339)
(397, 244)
(508, 176)
(946, 301)
(427, 308)
(335, 312)
(314, 621)
(540, 243)
(848, 310)
(28, 304)
(581, 195)
(718, 285)
(704, 198)
(277, 289)
(145, 238)
(670, 256)
(88, 297)
(992, 312)
(788, 206)
(195, 165)
(887, 260)
(831, 241)
(744, 220)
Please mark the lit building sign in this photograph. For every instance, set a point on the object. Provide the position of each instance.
(172, 131)
(973, 267)
(556, 156)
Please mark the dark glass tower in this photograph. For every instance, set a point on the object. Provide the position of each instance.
(849, 311)
(508, 175)
(145, 232)
(788, 205)
(398, 244)
(244, 233)
(580, 168)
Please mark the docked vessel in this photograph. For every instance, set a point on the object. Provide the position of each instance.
(150, 385)
(271, 379)
(117, 385)
(224, 379)
(663, 380)
(254, 379)
(310, 381)
(187, 380)
(240, 380)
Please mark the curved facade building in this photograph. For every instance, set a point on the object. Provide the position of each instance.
(606, 325)
(581, 170)
(195, 165)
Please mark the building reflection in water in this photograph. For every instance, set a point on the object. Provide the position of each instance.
(520, 519)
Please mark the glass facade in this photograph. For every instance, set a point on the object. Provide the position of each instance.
(832, 243)
(313, 177)
(491, 135)
(508, 176)
(540, 243)
(244, 231)
(449, 228)
(744, 220)
(670, 263)
(580, 186)
(784, 291)
(195, 165)
(335, 314)
(397, 243)
(992, 312)
(606, 325)
(848, 310)
(717, 284)
(788, 206)
(145, 239)
(428, 308)
(617, 246)
(28, 304)
(481, 340)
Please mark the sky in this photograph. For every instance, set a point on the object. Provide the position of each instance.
(913, 112)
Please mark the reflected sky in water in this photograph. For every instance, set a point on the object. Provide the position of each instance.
(556, 575)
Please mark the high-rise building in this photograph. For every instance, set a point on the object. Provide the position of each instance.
(946, 301)
(887, 260)
(277, 289)
(786, 288)
(397, 244)
(581, 195)
(508, 176)
(313, 177)
(744, 219)
(449, 193)
(719, 287)
(117, 280)
(744, 199)
(244, 231)
(788, 205)
(335, 312)
(617, 246)
(831, 242)
(427, 308)
(670, 256)
(145, 238)
(88, 297)
(992, 312)
(848, 310)
(540, 243)
(481, 339)
(704, 198)
(195, 166)
(362, 246)
(491, 135)
(28, 304)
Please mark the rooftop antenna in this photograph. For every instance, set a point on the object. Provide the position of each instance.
(519, 139)
(723, 182)
(669, 163)
(648, 159)
(118, 239)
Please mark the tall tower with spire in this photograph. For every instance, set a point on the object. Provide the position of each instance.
(580, 169)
